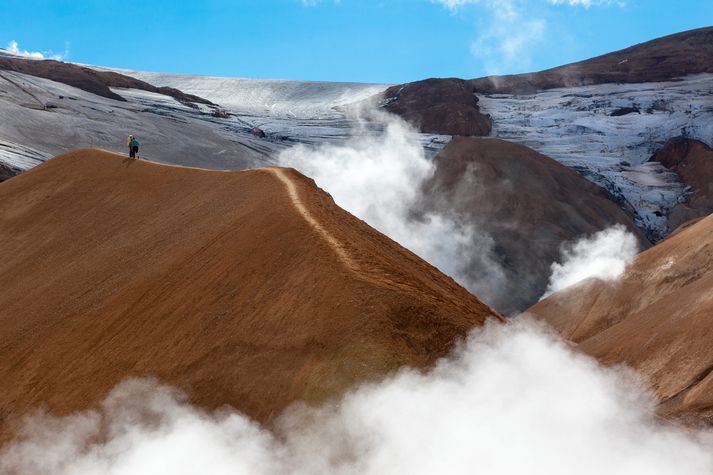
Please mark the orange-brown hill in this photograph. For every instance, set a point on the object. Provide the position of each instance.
(529, 204)
(247, 288)
(658, 319)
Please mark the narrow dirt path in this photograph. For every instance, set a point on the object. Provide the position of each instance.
(312, 221)
(367, 273)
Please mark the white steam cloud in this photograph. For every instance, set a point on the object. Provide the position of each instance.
(603, 256)
(379, 178)
(513, 399)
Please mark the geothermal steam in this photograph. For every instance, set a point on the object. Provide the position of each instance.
(603, 256)
(512, 399)
(379, 179)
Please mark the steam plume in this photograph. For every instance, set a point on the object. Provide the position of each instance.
(513, 399)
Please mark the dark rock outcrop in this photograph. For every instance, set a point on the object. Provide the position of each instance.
(438, 106)
(625, 111)
(220, 114)
(692, 161)
(6, 171)
(258, 132)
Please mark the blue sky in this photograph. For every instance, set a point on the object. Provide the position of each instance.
(388, 41)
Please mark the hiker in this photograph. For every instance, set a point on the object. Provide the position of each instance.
(133, 146)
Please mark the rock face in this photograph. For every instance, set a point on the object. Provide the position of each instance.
(438, 106)
(528, 203)
(6, 171)
(258, 132)
(662, 59)
(96, 82)
(692, 161)
(247, 288)
(657, 320)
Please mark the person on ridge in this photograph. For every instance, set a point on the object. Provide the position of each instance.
(133, 146)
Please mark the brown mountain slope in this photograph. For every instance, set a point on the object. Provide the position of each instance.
(528, 203)
(658, 319)
(662, 59)
(246, 288)
(86, 79)
(692, 161)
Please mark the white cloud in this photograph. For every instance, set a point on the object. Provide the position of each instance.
(454, 4)
(314, 3)
(603, 256)
(13, 48)
(505, 4)
(508, 42)
(514, 399)
(587, 3)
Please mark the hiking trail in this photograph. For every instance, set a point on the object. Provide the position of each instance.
(312, 221)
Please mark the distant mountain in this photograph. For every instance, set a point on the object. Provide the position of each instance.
(662, 59)
(526, 202)
(248, 288)
(90, 80)
(656, 319)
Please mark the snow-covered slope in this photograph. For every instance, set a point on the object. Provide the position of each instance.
(267, 97)
(309, 112)
(40, 118)
(576, 127)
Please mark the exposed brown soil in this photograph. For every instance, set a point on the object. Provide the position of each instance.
(96, 82)
(438, 106)
(528, 203)
(247, 288)
(657, 319)
(692, 161)
(662, 59)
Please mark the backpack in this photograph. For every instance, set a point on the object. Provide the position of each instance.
(134, 142)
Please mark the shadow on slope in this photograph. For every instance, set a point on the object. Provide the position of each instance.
(529, 204)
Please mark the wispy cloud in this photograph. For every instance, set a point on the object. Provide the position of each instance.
(587, 3)
(314, 3)
(507, 4)
(511, 31)
(14, 48)
(509, 39)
